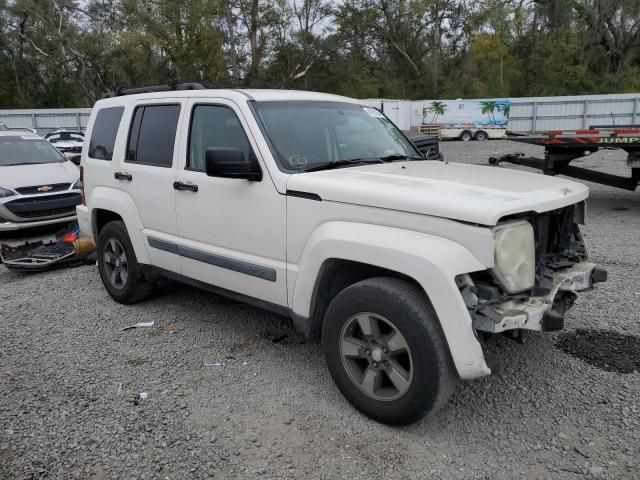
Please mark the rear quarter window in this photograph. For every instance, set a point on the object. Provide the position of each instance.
(103, 134)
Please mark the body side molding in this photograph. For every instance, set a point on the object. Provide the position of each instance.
(251, 269)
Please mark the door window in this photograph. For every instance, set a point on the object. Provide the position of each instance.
(153, 135)
(214, 126)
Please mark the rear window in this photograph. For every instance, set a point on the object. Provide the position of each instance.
(103, 135)
(153, 135)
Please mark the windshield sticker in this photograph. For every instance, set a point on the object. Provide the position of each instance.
(373, 112)
(297, 161)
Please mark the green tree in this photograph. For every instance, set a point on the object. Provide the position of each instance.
(70, 52)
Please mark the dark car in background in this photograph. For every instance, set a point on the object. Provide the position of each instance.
(428, 145)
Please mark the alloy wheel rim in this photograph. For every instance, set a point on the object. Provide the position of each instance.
(115, 263)
(376, 356)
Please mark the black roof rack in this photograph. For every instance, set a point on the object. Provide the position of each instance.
(155, 88)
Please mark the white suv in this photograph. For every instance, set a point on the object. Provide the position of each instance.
(38, 185)
(317, 207)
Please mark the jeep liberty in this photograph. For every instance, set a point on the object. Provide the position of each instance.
(317, 207)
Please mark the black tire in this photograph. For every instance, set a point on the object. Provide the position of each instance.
(481, 136)
(466, 135)
(407, 307)
(135, 288)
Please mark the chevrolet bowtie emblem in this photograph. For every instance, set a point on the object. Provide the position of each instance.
(45, 188)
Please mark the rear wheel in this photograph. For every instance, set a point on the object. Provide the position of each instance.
(119, 269)
(481, 136)
(385, 351)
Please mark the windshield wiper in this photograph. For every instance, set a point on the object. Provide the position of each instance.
(400, 156)
(342, 163)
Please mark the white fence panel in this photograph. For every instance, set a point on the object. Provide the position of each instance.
(539, 114)
(45, 120)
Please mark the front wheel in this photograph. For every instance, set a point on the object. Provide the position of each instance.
(386, 352)
(466, 136)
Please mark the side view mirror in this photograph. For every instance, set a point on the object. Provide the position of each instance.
(230, 163)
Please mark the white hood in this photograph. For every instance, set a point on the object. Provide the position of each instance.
(470, 193)
(17, 176)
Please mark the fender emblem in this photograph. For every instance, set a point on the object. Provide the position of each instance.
(45, 188)
(565, 191)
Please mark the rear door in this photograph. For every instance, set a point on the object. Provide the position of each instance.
(147, 173)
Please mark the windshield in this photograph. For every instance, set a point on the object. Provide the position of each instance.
(26, 151)
(305, 134)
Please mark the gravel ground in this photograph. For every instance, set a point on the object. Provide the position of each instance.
(233, 392)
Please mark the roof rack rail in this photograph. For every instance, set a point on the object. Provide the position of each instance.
(155, 88)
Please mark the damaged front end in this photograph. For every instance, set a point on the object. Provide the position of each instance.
(561, 269)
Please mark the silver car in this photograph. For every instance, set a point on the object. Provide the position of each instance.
(38, 185)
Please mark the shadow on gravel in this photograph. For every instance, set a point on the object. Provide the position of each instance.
(610, 351)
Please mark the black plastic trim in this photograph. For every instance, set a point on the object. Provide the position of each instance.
(162, 245)
(307, 195)
(246, 268)
(176, 86)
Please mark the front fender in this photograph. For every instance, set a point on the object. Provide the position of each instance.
(119, 202)
(432, 261)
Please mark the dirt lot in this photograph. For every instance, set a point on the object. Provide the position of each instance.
(233, 392)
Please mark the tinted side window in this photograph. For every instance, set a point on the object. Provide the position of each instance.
(153, 134)
(103, 135)
(214, 126)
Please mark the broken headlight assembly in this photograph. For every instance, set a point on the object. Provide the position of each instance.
(6, 193)
(515, 261)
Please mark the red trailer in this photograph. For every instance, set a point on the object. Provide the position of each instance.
(562, 147)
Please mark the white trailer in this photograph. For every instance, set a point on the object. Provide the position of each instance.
(472, 132)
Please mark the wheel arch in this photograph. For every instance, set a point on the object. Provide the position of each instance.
(101, 217)
(107, 204)
(339, 254)
(335, 275)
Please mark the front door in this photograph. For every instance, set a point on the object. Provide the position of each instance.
(232, 231)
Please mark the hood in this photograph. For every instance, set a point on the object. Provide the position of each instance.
(470, 193)
(40, 174)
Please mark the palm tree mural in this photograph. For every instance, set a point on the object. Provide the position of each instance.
(504, 107)
(488, 108)
(436, 109)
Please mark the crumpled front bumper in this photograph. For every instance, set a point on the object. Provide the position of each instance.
(537, 313)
